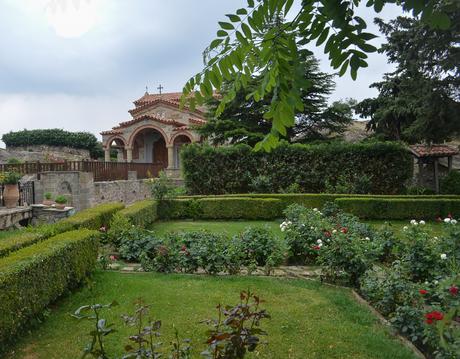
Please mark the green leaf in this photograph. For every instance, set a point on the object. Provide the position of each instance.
(344, 67)
(233, 18)
(367, 47)
(226, 25)
(322, 37)
(440, 20)
(246, 30)
(251, 3)
(242, 11)
(222, 33)
(215, 43)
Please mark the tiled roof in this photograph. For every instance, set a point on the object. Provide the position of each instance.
(197, 121)
(182, 128)
(172, 98)
(148, 117)
(433, 150)
(112, 132)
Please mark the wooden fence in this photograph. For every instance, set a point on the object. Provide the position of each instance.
(102, 171)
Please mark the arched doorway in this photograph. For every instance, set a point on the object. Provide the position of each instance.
(149, 146)
(179, 141)
(115, 149)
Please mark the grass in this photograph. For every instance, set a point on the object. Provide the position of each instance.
(309, 320)
(9, 233)
(432, 227)
(229, 227)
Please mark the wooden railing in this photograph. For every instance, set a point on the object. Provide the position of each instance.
(102, 171)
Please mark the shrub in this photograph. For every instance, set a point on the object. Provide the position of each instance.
(135, 241)
(260, 246)
(35, 276)
(260, 184)
(232, 169)
(60, 199)
(160, 258)
(451, 183)
(10, 177)
(162, 187)
(142, 213)
(18, 241)
(399, 208)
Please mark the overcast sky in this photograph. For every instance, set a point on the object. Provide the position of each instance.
(79, 64)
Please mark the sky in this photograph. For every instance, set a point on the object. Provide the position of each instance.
(79, 64)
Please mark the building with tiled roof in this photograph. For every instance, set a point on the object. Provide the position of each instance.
(156, 131)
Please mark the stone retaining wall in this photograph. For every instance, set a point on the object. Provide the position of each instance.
(43, 153)
(121, 191)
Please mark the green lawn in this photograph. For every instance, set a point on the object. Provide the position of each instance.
(230, 227)
(436, 229)
(309, 320)
(6, 234)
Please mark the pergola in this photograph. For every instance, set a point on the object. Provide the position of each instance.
(430, 154)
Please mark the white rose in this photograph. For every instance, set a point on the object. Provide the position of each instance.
(447, 220)
(319, 241)
(283, 229)
(443, 256)
(453, 221)
(315, 209)
(413, 222)
(422, 222)
(320, 245)
(405, 228)
(334, 231)
(367, 239)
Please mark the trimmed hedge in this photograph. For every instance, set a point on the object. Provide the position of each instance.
(34, 277)
(92, 218)
(221, 208)
(271, 206)
(231, 169)
(141, 213)
(51, 137)
(399, 208)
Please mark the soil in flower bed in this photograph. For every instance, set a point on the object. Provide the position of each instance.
(309, 320)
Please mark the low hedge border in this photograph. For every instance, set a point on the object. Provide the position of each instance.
(221, 208)
(399, 208)
(33, 277)
(92, 218)
(142, 213)
(363, 206)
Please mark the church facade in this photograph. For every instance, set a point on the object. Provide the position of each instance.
(155, 133)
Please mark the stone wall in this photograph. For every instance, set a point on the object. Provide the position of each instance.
(43, 153)
(121, 191)
(82, 192)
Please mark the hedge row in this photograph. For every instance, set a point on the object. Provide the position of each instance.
(141, 213)
(221, 208)
(51, 137)
(34, 277)
(398, 208)
(383, 167)
(272, 206)
(93, 218)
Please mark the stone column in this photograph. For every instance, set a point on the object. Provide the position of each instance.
(129, 154)
(107, 154)
(170, 156)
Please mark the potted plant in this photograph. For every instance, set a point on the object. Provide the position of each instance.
(60, 201)
(11, 190)
(48, 199)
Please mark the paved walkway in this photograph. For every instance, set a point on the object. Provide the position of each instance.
(282, 271)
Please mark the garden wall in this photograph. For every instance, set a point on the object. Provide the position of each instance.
(375, 167)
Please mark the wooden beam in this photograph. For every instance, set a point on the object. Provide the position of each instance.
(449, 163)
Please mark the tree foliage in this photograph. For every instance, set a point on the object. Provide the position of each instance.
(253, 40)
(242, 120)
(420, 100)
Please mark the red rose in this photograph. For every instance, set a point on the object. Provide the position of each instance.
(453, 290)
(432, 316)
(327, 234)
(184, 248)
(344, 230)
(316, 248)
(423, 291)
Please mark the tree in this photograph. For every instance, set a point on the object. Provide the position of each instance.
(242, 120)
(420, 100)
(245, 44)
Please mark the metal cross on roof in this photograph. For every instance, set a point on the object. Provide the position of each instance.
(160, 88)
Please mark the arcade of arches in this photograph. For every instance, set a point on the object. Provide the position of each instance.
(155, 134)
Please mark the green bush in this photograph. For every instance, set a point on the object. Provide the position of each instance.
(141, 213)
(53, 137)
(34, 277)
(399, 208)
(451, 183)
(233, 169)
(92, 218)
